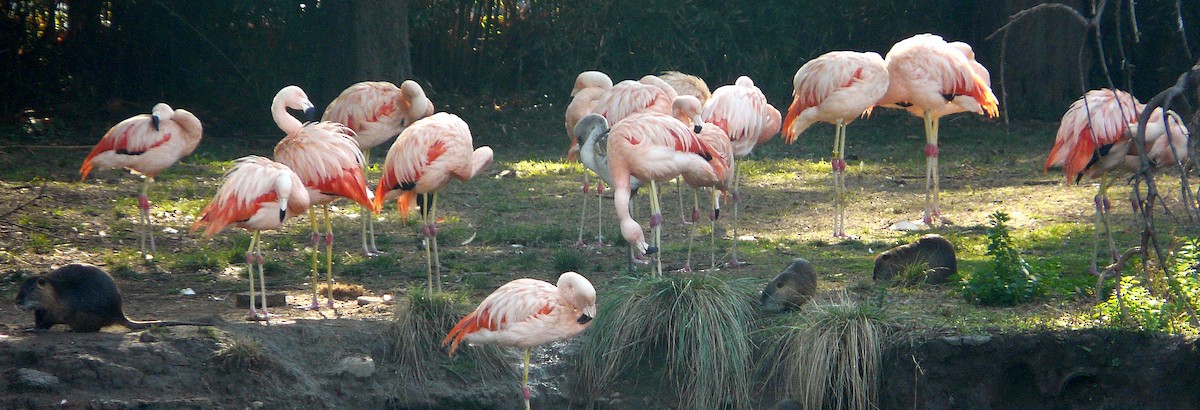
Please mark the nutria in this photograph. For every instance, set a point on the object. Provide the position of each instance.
(83, 297)
(790, 288)
(934, 251)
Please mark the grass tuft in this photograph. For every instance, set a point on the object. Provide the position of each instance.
(831, 357)
(699, 328)
(240, 354)
(415, 340)
(342, 291)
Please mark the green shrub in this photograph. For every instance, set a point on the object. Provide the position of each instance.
(1140, 306)
(1008, 279)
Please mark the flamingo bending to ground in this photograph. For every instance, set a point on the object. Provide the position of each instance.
(655, 147)
(688, 110)
(743, 112)
(528, 312)
(589, 87)
(256, 194)
(329, 163)
(836, 88)
(926, 74)
(377, 111)
(146, 144)
(1096, 137)
(420, 163)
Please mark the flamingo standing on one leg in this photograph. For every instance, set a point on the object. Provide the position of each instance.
(1096, 136)
(743, 112)
(377, 111)
(927, 74)
(420, 163)
(146, 144)
(589, 87)
(837, 88)
(655, 147)
(256, 194)
(328, 161)
(528, 312)
(687, 110)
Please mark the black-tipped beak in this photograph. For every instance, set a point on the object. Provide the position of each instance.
(583, 319)
(717, 214)
(310, 114)
(282, 214)
(154, 121)
(650, 250)
(699, 128)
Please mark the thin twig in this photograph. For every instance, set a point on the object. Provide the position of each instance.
(41, 194)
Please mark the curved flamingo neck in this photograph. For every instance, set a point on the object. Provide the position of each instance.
(285, 121)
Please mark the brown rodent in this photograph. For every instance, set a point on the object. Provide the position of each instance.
(933, 250)
(83, 297)
(790, 288)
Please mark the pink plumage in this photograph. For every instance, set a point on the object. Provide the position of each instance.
(528, 312)
(837, 86)
(743, 112)
(136, 144)
(426, 157)
(378, 110)
(589, 87)
(324, 154)
(628, 97)
(256, 194)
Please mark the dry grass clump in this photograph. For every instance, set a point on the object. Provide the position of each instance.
(695, 327)
(414, 340)
(830, 358)
(342, 291)
(239, 354)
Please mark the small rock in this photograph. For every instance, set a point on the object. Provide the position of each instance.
(360, 367)
(30, 379)
(366, 300)
(147, 337)
(187, 292)
(257, 404)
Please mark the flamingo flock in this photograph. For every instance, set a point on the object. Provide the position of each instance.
(629, 134)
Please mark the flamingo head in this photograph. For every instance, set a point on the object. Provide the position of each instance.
(161, 112)
(293, 97)
(590, 79)
(416, 104)
(579, 294)
(687, 108)
(744, 81)
(632, 232)
(589, 127)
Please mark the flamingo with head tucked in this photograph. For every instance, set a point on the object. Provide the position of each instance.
(742, 110)
(926, 74)
(256, 194)
(146, 144)
(837, 88)
(329, 163)
(423, 160)
(377, 111)
(528, 312)
(589, 87)
(1096, 137)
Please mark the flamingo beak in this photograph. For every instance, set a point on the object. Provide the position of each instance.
(154, 121)
(282, 214)
(699, 128)
(310, 113)
(584, 318)
(650, 250)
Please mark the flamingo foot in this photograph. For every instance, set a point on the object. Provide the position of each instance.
(579, 243)
(368, 253)
(928, 219)
(735, 263)
(600, 242)
(687, 268)
(314, 305)
(329, 304)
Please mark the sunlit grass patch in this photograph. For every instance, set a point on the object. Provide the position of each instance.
(533, 168)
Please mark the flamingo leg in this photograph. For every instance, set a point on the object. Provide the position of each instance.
(687, 266)
(328, 259)
(316, 249)
(525, 383)
(937, 209)
(1105, 183)
(679, 189)
(839, 166)
(427, 232)
(599, 212)
(437, 263)
(250, 273)
(737, 181)
(262, 276)
(583, 213)
(712, 231)
(656, 220)
(146, 229)
(930, 149)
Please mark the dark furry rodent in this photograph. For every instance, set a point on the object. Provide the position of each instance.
(83, 297)
(933, 250)
(790, 288)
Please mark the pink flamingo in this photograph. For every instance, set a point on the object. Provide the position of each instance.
(256, 194)
(743, 112)
(589, 87)
(146, 144)
(837, 88)
(420, 163)
(926, 74)
(377, 111)
(688, 110)
(1096, 136)
(328, 161)
(528, 312)
(655, 147)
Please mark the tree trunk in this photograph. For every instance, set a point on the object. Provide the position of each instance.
(381, 44)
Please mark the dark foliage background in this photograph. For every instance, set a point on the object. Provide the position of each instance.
(104, 60)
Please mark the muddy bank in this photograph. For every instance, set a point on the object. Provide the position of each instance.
(343, 364)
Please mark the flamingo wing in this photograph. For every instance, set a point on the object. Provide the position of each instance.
(835, 76)
(327, 159)
(1099, 118)
(515, 302)
(743, 112)
(244, 189)
(133, 136)
(629, 97)
(363, 103)
(424, 158)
